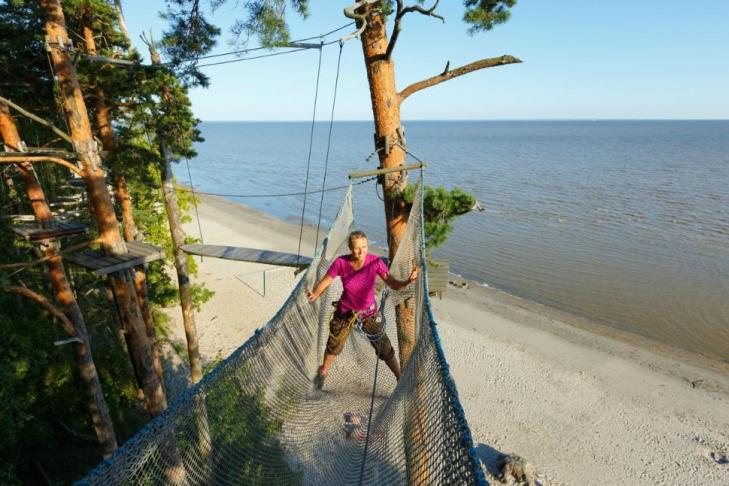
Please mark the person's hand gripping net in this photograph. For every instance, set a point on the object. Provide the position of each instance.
(414, 274)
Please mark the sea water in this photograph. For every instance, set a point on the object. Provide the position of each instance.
(624, 222)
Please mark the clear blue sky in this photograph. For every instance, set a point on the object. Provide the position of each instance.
(583, 59)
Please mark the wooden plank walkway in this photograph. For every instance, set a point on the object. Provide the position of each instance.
(32, 232)
(252, 255)
(139, 254)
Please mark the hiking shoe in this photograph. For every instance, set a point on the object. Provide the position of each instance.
(319, 380)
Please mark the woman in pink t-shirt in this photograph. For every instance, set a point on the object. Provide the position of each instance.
(358, 271)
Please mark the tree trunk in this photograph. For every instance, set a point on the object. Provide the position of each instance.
(121, 21)
(178, 239)
(101, 205)
(98, 409)
(104, 121)
(386, 111)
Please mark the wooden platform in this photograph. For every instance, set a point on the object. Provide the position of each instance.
(139, 254)
(18, 217)
(251, 255)
(32, 232)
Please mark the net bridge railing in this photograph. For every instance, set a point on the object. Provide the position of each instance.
(257, 418)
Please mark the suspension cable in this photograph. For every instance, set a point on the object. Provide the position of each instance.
(194, 202)
(308, 158)
(329, 143)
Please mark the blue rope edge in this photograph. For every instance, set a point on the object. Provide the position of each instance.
(466, 437)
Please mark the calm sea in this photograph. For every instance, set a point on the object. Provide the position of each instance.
(624, 222)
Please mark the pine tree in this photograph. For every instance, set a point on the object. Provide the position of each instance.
(267, 21)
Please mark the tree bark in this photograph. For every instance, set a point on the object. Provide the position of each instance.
(101, 205)
(104, 121)
(448, 74)
(386, 111)
(98, 409)
(178, 239)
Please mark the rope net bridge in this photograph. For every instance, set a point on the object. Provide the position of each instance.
(258, 419)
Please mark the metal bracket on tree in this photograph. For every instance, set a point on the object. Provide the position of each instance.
(385, 144)
(388, 170)
(59, 44)
(350, 12)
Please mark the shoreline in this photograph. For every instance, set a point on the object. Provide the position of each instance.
(584, 402)
(585, 323)
(582, 329)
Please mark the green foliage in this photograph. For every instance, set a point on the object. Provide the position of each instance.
(482, 15)
(41, 395)
(189, 36)
(21, 41)
(440, 209)
(266, 19)
(246, 428)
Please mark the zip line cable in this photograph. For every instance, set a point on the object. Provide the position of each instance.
(194, 202)
(329, 144)
(273, 54)
(253, 49)
(308, 158)
(369, 416)
(260, 48)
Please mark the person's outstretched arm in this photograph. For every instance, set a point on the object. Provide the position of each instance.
(396, 284)
(319, 289)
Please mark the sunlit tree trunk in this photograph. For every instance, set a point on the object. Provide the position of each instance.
(104, 121)
(178, 240)
(386, 112)
(122, 283)
(98, 409)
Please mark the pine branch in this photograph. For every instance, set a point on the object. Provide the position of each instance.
(454, 73)
(36, 118)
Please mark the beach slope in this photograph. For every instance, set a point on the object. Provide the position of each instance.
(583, 403)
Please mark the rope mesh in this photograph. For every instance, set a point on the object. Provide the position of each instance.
(258, 419)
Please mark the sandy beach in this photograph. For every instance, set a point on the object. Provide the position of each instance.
(585, 404)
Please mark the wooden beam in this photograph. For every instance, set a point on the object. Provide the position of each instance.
(400, 168)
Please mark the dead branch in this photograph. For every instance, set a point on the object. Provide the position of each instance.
(43, 302)
(36, 118)
(15, 159)
(429, 12)
(450, 74)
(400, 13)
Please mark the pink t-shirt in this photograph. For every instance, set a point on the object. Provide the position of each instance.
(359, 285)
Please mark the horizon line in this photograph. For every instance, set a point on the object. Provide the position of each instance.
(472, 120)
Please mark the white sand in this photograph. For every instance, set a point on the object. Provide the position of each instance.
(583, 403)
